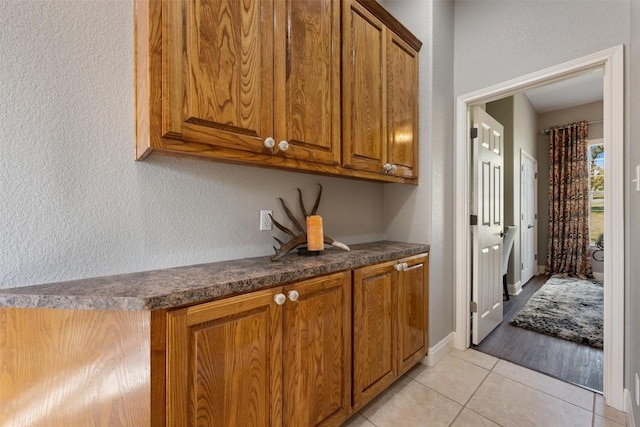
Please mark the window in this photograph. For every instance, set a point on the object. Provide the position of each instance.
(596, 192)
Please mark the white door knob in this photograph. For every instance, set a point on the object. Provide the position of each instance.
(283, 145)
(294, 295)
(279, 299)
(399, 266)
(269, 142)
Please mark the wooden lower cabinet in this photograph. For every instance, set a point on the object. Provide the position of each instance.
(249, 361)
(390, 323)
(276, 357)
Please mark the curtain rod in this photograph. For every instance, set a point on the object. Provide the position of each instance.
(591, 122)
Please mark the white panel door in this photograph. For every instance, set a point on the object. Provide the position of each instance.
(487, 203)
(528, 215)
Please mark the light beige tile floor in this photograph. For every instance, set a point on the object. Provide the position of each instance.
(469, 389)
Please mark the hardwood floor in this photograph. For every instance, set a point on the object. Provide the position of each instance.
(568, 361)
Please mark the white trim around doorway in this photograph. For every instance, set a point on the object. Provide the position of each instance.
(611, 61)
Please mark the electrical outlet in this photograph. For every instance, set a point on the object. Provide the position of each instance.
(265, 220)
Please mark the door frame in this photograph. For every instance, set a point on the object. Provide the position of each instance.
(524, 154)
(611, 61)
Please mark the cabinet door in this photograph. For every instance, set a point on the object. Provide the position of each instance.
(307, 79)
(413, 302)
(225, 364)
(374, 338)
(364, 102)
(402, 107)
(317, 351)
(217, 74)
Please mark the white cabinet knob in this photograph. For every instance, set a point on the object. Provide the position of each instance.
(405, 266)
(279, 299)
(283, 145)
(269, 142)
(294, 295)
(393, 169)
(387, 167)
(399, 266)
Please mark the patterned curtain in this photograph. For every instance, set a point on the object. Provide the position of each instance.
(568, 250)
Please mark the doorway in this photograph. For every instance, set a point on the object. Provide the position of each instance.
(611, 61)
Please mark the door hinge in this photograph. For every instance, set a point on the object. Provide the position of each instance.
(473, 306)
(473, 220)
(535, 216)
(522, 268)
(474, 133)
(536, 175)
(521, 168)
(535, 257)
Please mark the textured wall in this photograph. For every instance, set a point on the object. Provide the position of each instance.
(75, 203)
(425, 213)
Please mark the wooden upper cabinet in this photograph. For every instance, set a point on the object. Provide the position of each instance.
(228, 74)
(380, 93)
(224, 362)
(217, 74)
(307, 79)
(317, 351)
(402, 107)
(364, 126)
(324, 86)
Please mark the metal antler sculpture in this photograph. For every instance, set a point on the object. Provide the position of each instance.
(301, 238)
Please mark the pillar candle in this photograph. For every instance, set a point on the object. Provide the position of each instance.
(315, 235)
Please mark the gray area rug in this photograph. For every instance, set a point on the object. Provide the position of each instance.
(566, 307)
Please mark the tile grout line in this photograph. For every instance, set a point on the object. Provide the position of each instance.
(548, 394)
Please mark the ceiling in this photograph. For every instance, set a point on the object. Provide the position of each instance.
(578, 90)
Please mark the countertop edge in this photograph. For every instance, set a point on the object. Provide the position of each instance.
(290, 270)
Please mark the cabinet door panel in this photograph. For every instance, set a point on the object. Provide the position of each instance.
(402, 106)
(218, 73)
(224, 363)
(374, 366)
(364, 103)
(317, 352)
(307, 78)
(412, 313)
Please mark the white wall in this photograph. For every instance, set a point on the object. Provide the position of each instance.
(425, 213)
(75, 204)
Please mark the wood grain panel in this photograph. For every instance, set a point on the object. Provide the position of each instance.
(413, 306)
(402, 106)
(74, 368)
(218, 72)
(317, 352)
(374, 338)
(364, 102)
(225, 362)
(307, 79)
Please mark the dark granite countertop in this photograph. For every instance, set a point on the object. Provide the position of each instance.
(173, 287)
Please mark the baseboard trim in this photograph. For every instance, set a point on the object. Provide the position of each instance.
(542, 269)
(439, 351)
(599, 276)
(628, 408)
(514, 289)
